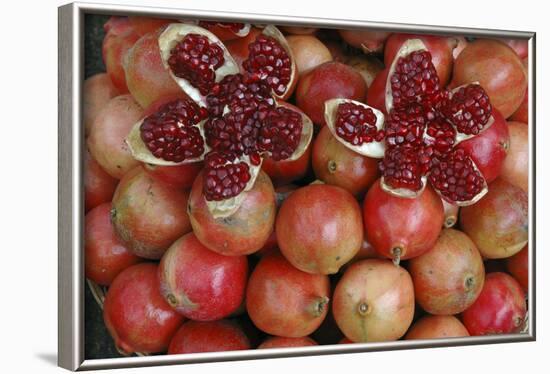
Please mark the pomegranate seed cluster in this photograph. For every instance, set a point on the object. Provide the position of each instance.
(224, 178)
(469, 109)
(357, 124)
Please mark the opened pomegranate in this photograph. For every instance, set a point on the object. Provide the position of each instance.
(284, 301)
(179, 176)
(449, 277)
(309, 52)
(238, 48)
(200, 284)
(437, 327)
(319, 228)
(374, 301)
(499, 309)
(499, 223)
(280, 342)
(515, 168)
(135, 313)
(149, 215)
(226, 30)
(401, 228)
(518, 266)
(99, 186)
(368, 40)
(97, 91)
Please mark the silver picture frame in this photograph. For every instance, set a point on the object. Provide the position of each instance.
(71, 281)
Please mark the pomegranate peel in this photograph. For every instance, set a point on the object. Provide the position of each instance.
(226, 30)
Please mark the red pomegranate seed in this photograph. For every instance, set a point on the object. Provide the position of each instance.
(234, 132)
(224, 178)
(357, 124)
(455, 177)
(195, 59)
(441, 136)
(170, 133)
(469, 109)
(402, 167)
(280, 133)
(269, 61)
(405, 126)
(233, 26)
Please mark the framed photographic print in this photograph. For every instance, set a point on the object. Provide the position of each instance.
(243, 186)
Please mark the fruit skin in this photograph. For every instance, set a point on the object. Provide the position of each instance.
(284, 301)
(498, 223)
(518, 266)
(368, 41)
(116, 44)
(437, 327)
(498, 70)
(284, 172)
(179, 176)
(135, 313)
(319, 228)
(149, 215)
(214, 336)
(516, 165)
(451, 214)
(97, 91)
(327, 81)
(297, 30)
(99, 186)
(449, 277)
(279, 342)
(374, 301)
(105, 256)
(489, 149)
(401, 228)
(242, 233)
(200, 284)
(106, 142)
(499, 309)
(335, 164)
(309, 52)
(145, 25)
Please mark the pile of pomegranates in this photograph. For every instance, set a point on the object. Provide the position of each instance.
(249, 186)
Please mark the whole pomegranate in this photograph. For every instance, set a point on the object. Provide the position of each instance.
(376, 96)
(135, 313)
(319, 228)
(368, 40)
(105, 256)
(280, 342)
(499, 309)
(144, 25)
(284, 172)
(437, 327)
(401, 228)
(97, 91)
(99, 186)
(149, 215)
(449, 277)
(200, 284)
(516, 165)
(309, 52)
(498, 224)
(367, 66)
(374, 301)
(497, 68)
(518, 266)
(178, 176)
(284, 301)
(522, 113)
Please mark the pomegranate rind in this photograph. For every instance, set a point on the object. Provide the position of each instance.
(241, 34)
(404, 192)
(172, 35)
(305, 138)
(373, 149)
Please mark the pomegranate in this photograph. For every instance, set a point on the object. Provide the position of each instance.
(335, 164)
(319, 228)
(520, 46)
(135, 313)
(299, 30)
(105, 256)
(242, 232)
(498, 224)
(145, 25)
(285, 171)
(461, 44)
(214, 336)
(522, 113)
(200, 284)
(516, 165)
(401, 228)
(99, 186)
(238, 48)
(226, 30)
(376, 96)
(518, 266)
(149, 215)
(367, 66)
(338, 49)
(284, 301)
(179, 176)
(327, 81)
(499, 309)
(450, 211)
(97, 91)
(279, 342)
(374, 301)
(106, 140)
(437, 327)
(309, 52)
(498, 70)
(449, 277)
(368, 40)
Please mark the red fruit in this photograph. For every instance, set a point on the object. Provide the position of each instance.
(309, 52)
(335, 164)
(97, 91)
(376, 96)
(437, 327)
(497, 68)
(99, 186)
(179, 176)
(488, 150)
(285, 171)
(215, 336)
(328, 81)
(356, 124)
(238, 48)
(279, 342)
(319, 228)
(367, 66)
(107, 137)
(451, 213)
(284, 301)
(515, 168)
(374, 301)
(469, 109)
(135, 313)
(402, 170)
(243, 231)
(440, 47)
(200, 284)
(105, 256)
(149, 215)
(522, 113)
(145, 25)
(499, 309)
(449, 277)
(520, 46)
(401, 228)
(518, 266)
(297, 30)
(369, 41)
(226, 30)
